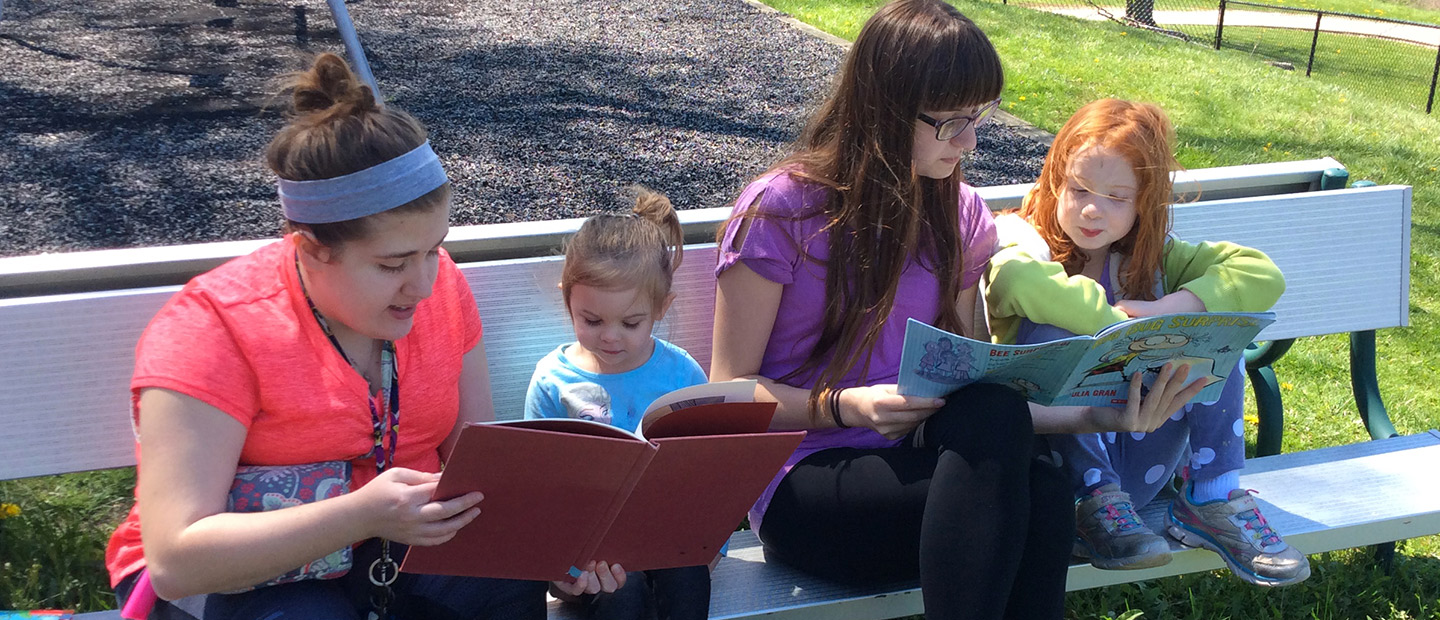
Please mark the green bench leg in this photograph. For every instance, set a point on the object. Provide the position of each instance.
(1258, 359)
(1366, 386)
(1272, 413)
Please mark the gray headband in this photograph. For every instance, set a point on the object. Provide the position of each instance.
(373, 190)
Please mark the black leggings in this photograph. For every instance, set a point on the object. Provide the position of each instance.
(963, 505)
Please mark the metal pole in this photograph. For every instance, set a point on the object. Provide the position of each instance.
(1220, 25)
(1313, 41)
(352, 44)
(1431, 103)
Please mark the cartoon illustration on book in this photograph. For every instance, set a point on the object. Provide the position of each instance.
(1150, 353)
(1025, 387)
(945, 361)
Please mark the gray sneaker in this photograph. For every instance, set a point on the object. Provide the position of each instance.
(1235, 529)
(1111, 535)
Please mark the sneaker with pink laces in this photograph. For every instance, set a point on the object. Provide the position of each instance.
(1235, 529)
(1110, 534)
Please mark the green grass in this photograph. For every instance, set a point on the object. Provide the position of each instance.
(52, 539)
(1230, 109)
(1385, 72)
(1366, 8)
(1369, 8)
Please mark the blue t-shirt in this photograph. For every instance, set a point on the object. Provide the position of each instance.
(560, 389)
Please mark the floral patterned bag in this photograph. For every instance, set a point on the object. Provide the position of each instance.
(261, 488)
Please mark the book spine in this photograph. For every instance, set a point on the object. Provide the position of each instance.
(622, 494)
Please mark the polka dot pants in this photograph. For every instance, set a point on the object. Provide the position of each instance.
(1210, 438)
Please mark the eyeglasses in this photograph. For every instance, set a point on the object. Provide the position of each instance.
(951, 127)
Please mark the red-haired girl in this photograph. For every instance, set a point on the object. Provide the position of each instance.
(1090, 247)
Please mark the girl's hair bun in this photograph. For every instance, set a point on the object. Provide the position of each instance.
(329, 89)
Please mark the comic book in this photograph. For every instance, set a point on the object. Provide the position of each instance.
(1082, 370)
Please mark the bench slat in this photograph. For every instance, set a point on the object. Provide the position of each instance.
(1317, 239)
(68, 403)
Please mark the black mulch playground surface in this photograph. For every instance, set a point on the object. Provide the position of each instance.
(140, 122)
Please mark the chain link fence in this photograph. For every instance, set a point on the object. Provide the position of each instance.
(1381, 58)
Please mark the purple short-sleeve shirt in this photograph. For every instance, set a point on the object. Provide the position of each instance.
(773, 248)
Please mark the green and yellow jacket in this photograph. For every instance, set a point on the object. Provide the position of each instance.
(1023, 283)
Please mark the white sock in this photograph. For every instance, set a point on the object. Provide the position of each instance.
(1215, 488)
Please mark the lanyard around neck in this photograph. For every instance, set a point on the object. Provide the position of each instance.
(383, 426)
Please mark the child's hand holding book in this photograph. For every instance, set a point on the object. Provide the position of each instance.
(1146, 410)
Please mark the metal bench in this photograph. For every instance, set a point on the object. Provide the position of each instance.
(72, 416)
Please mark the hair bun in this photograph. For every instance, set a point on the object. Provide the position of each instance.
(650, 204)
(656, 208)
(329, 88)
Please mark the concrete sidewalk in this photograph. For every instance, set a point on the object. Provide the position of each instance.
(1419, 35)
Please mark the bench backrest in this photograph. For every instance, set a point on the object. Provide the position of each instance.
(1345, 254)
(1344, 272)
(73, 272)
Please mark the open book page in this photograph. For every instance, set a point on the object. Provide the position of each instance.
(936, 362)
(1082, 370)
(574, 426)
(738, 391)
(1210, 343)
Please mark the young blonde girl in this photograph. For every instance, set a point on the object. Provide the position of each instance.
(616, 285)
(1090, 247)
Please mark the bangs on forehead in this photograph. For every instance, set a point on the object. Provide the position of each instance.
(967, 76)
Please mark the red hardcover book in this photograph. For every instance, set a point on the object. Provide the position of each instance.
(560, 493)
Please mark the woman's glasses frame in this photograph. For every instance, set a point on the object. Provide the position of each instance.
(949, 128)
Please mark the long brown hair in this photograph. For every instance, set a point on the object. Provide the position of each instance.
(336, 128)
(639, 250)
(1141, 133)
(911, 55)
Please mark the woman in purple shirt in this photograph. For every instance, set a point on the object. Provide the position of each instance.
(826, 256)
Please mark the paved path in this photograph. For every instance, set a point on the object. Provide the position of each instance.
(1418, 35)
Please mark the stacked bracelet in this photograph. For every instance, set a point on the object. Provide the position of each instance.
(835, 408)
